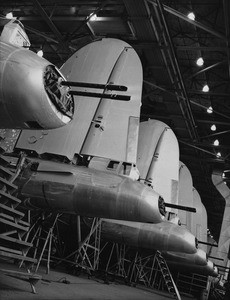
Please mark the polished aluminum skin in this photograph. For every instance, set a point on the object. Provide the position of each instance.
(196, 263)
(198, 258)
(87, 192)
(30, 94)
(164, 236)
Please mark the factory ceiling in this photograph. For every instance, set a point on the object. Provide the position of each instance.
(169, 44)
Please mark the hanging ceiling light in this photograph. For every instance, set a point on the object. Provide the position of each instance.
(9, 15)
(205, 88)
(40, 53)
(216, 143)
(93, 17)
(200, 61)
(218, 154)
(209, 110)
(213, 127)
(191, 16)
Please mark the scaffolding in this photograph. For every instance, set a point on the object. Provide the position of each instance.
(14, 222)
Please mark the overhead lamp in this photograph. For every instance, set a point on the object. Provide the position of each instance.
(9, 15)
(210, 110)
(191, 16)
(73, 9)
(200, 61)
(93, 17)
(213, 127)
(216, 143)
(218, 154)
(40, 53)
(205, 88)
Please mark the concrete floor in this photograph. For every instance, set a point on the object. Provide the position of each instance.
(52, 287)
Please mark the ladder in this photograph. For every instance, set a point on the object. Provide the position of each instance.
(171, 286)
(12, 222)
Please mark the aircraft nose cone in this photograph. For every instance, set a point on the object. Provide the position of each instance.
(180, 236)
(139, 201)
(200, 258)
(215, 271)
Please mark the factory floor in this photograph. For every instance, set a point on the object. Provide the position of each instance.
(59, 285)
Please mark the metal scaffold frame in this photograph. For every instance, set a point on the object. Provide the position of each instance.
(43, 234)
(15, 227)
(87, 256)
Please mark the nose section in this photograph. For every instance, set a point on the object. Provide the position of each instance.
(151, 204)
(212, 270)
(166, 236)
(139, 200)
(215, 271)
(181, 240)
(201, 258)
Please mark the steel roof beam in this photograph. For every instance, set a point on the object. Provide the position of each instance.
(189, 121)
(206, 69)
(48, 20)
(226, 9)
(185, 18)
(200, 48)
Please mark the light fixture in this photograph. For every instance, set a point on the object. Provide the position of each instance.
(218, 154)
(40, 53)
(209, 110)
(205, 88)
(191, 16)
(216, 143)
(200, 61)
(93, 17)
(9, 15)
(213, 127)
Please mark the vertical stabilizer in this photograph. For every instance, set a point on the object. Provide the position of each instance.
(199, 220)
(114, 129)
(161, 150)
(185, 195)
(94, 63)
(149, 135)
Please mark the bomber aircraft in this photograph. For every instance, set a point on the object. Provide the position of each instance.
(88, 166)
